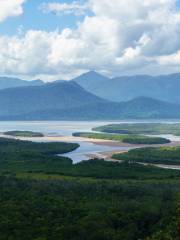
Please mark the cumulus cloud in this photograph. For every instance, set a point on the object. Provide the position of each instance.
(75, 8)
(10, 8)
(120, 37)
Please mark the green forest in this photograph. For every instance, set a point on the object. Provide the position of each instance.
(161, 155)
(46, 197)
(141, 128)
(125, 138)
(23, 134)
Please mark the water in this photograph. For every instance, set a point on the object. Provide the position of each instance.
(86, 149)
(171, 137)
(66, 128)
(51, 128)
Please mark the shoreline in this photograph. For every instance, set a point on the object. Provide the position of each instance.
(107, 155)
(112, 143)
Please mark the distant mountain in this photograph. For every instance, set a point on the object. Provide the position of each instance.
(148, 108)
(91, 80)
(67, 100)
(97, 109)
(6, 82)
(165, 87)
(62, 95)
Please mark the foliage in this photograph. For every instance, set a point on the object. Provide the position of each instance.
(132, 139)
(16, 155)
(141, 128)
(70, 210)
(161, 155)
(46, 197)
(23, 134)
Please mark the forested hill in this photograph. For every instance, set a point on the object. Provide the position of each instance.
(63, 95)
(141, 108)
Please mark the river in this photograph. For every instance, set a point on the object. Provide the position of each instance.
(62, 131)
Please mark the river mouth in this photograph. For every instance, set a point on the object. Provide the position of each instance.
(61, 131)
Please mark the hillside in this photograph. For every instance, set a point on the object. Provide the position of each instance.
(6, 82)
(91, 80)
(67, 100)
(165, 87)
(140, 108)
(62, 95)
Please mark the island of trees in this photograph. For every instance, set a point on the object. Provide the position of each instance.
(125, 138)
(23, 134)
(141, 128)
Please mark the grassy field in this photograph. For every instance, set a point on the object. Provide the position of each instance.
(23, 134)
(132, 139)
(46, 197)
(141, 128)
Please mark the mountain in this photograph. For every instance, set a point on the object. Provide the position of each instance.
(6, 82)
(164, 87)
(144, 107)
(61, 95)
(67, 100)
(94, 108)
(91, 80)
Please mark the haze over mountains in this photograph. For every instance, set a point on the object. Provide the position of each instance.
(165, 87)
(63, 95)
(91, 96)
(7, 82)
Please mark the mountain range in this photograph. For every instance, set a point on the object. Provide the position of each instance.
(165, 87)
(140, 108)
(78, 99)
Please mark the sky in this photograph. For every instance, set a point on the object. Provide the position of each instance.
(60, 39)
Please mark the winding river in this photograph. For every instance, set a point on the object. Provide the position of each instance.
(62, 131)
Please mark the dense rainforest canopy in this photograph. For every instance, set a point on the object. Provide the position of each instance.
(46, 197)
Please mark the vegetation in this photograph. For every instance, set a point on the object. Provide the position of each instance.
(23, 134)
(132, 139)
(72, 209)
(16, 155)
(19, 157)
(141, 128)
(162, 155)
(46, 197)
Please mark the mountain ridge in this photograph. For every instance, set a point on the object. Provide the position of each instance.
(9, 82)
(140, 108)
(68, 100)
(125, 88)
(16, 101)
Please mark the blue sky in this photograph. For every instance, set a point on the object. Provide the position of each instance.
(34, 18)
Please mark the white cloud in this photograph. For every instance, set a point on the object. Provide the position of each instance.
(168, 60)
(65, 8)
(10, 8)
(121, 37)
